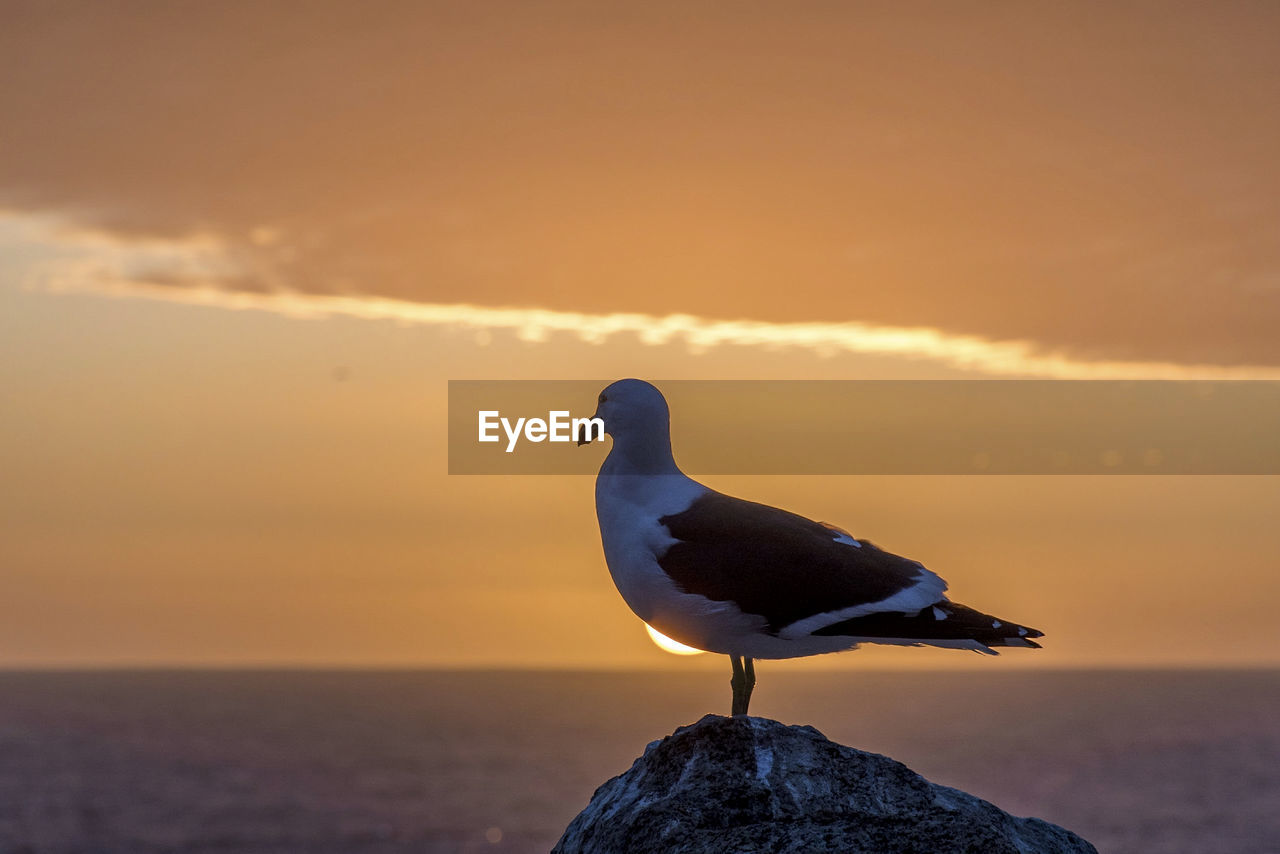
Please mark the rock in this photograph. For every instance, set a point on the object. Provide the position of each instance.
(755, 785)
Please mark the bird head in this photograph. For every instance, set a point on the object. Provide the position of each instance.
(630, 407)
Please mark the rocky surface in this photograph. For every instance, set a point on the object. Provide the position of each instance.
(755, 785)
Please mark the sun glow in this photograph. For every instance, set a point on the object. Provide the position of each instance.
(666, 644)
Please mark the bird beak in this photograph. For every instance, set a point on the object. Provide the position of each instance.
(585, 438)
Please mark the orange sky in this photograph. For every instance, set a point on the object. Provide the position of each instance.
(1035, 191)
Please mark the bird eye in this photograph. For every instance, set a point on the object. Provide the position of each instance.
(602, 399)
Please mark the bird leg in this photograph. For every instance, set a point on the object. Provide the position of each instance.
(743, 682)
(738, 682)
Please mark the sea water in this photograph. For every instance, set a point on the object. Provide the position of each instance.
(428, 761)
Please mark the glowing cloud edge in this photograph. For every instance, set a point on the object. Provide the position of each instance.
(100, 263)
(533, 325)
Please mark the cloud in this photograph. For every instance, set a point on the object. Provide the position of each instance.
(534, 325)
(1112, 196)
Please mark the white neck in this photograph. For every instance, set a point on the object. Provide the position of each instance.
(641, 452)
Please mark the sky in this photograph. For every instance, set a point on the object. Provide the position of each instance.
(244, 248)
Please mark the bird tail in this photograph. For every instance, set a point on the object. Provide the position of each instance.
(988, 630)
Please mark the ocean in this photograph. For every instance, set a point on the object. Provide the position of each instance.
(1137, 762)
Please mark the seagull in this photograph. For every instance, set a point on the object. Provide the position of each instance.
(750, 581)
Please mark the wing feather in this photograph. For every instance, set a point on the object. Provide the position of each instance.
(787, 568)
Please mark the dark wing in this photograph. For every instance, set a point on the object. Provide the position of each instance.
(940, 621)
(785, 567)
